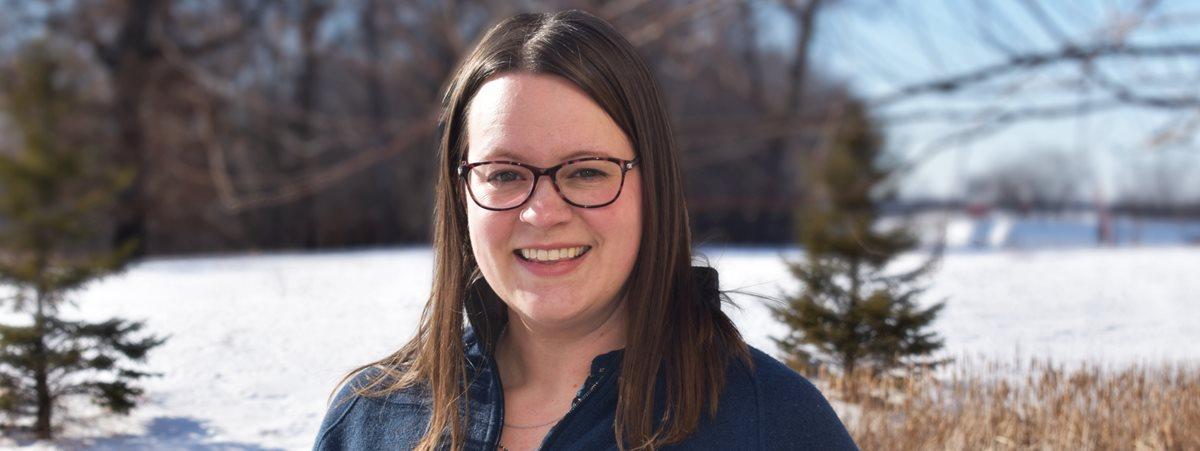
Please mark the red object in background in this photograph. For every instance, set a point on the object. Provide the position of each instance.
(978, 209)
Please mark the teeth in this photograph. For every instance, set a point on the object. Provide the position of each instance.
(549, 255)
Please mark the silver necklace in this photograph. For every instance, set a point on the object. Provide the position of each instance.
(501, 447)
(532, 426)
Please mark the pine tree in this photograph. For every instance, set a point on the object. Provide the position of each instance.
(850, 313)
(52, 196)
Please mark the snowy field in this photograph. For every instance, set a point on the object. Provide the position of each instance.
(258, 342)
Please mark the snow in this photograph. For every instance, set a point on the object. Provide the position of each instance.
(257, 343)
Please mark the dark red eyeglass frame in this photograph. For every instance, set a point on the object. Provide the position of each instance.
(626, 165)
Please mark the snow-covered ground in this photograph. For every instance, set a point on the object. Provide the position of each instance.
(258, 342)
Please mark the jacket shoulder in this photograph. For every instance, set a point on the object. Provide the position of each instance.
(356, 420)
(792, 412)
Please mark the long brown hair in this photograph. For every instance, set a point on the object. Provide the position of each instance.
(672, 332)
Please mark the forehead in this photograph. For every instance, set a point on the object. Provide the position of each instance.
(540, 119)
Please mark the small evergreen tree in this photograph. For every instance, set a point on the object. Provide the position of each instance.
(51, 197)
(849, 312)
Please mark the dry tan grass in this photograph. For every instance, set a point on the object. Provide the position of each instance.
(1024, 405)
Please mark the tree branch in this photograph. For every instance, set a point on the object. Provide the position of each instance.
(1018, 63)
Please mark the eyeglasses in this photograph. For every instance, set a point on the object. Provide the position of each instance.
(590, 182)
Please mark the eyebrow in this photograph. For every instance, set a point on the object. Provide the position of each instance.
(505, 154)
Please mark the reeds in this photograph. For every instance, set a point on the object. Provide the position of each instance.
(1023, 405)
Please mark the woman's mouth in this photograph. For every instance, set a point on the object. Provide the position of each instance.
(551, 255)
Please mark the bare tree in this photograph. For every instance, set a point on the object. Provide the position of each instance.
(1047, 61)
(1038, 180)
(1159, 184)
(132, 55)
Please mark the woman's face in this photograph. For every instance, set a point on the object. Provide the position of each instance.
(544, 120)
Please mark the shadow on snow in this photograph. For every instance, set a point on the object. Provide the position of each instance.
(173, 433)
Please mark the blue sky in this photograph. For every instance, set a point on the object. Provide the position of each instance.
(879, 46)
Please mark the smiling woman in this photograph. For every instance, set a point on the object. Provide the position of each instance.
(565, 312)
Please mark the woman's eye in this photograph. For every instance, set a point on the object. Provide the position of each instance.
(504, 177)
(589, 174)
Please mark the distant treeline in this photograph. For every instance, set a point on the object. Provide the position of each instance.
(1134, 209)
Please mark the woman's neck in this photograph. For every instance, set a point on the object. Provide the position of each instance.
(556, 359)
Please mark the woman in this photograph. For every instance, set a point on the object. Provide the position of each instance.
(562, 234)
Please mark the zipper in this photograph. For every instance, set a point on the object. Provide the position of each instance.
(550, 436)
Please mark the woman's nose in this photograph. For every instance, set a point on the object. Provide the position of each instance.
(545, 207)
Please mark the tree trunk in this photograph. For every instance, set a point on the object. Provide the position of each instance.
(40, 371)
(133, 56)
(377, 98)
(775, 161)
(304, 97)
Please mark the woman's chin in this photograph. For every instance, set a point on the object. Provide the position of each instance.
(551, 315)
(545, 316)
